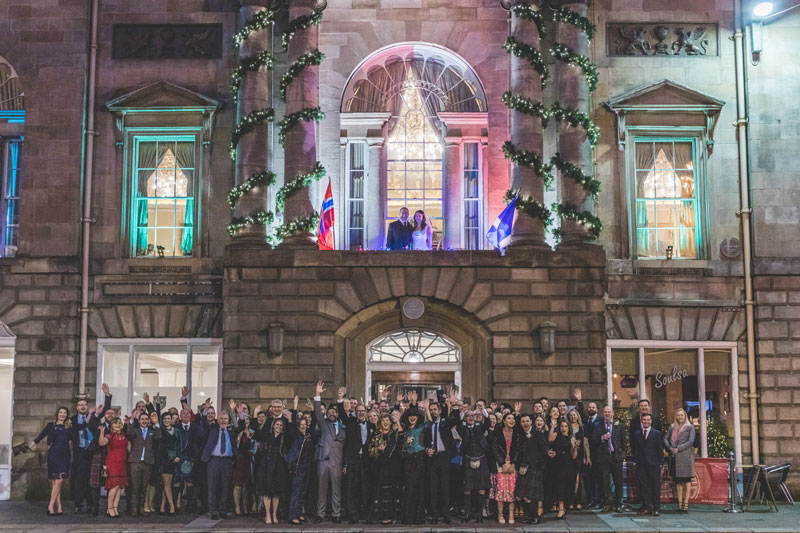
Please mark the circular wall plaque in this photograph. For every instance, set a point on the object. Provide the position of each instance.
(413, 308)
(730, 248)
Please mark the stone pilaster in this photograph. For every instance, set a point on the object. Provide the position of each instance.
(573, 146)
(453, 222)
(301, 139)
(373, 204)
(253, 151)
(526, 133)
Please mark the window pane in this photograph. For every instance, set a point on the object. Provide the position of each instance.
(624, 378)
(644, 155)
(686, 181)
(357, 156)
(115, 373)
(719, 395)
(160, 369)
(471, 184)
(664, 156)
(205, 373)
(356, 239)
(6, 387)
(671, 382)
(665, 214)
(645, 184)
(470, 156)
(357, 184)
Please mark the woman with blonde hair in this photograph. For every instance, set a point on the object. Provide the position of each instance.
(679, 440)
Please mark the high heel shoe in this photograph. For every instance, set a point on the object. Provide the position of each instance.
(560, 516)
(501, 520)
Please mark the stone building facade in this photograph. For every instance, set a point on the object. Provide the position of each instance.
(667, 74)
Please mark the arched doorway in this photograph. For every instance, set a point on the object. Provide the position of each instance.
(412, 358)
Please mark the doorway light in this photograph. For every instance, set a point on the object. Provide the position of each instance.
(762, 9)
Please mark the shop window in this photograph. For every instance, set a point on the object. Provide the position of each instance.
(666, 203)
(158, 366)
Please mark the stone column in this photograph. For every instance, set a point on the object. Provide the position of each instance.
(373, 204)
(300, 147)
(253, 150)
(573, 145)
(452, 193)
(526, 133)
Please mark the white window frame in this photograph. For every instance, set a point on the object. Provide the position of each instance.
(8, 341)
(348, 198)
(699, 346)
(132, 343)
(5, 158)
(480, 198)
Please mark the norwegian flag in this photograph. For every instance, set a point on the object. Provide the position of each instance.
(325, 237)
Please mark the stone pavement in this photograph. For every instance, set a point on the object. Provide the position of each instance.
(25, 516)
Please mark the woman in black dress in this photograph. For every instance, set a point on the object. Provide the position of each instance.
(551, 474)
(576, 426)
(563, 451)
(413, 462)
(58, 456)
(531, 462)
(300, 458)
(168, 460)
(274, 481)
(384, 453)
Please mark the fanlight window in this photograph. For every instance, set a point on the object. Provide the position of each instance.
(414, 346)
(11, 96)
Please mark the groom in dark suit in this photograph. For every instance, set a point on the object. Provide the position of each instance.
(398, 237)
(649, 454)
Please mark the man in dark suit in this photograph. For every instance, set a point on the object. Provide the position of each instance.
(437, 437)
(649, 456)
(608, 453)
(96, 453)
(398, 236)
(83, 424)
(193, 441)
(358, 433)
(636, 423)
(592, 473)
(218, 455)
(329, 456)
(140, 461)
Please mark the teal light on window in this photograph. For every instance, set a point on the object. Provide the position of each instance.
(163, 211)
(10, 177)
(667, 219)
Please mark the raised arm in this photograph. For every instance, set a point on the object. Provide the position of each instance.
(319, 416)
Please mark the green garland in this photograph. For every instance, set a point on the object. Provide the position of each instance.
(570, 17)
(529, 159)
(570, 212)
(265, 178)
(531, 207)
(246, 65)
(248, 124)
(572, 171)
(526, 12)
(531, 55)
(299, 225)
(314, 57)
(308, 114)
(261, 217)
(300, 23)
(576, 119)
(259, 21)
(567, 55)
(527, 106)
(300, 181)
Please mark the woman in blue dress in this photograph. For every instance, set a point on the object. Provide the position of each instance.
(58, 456)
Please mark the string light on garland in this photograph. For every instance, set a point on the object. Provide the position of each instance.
(529, 159)
(300, 181)
(572, 171)
(526, 12)
(570, 212)
(308, 114)
(261, 217)
(299, 225)
(531, 207)
(567, 55)
(248, 124)
(246, 65)
(575, 118)
(314, 57)
(527, 106)
(265, 178)
(529, 54)
(567, 15)
(259, 21)
(298, 24)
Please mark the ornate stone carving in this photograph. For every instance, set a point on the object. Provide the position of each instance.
(167, 41)
(626, 39)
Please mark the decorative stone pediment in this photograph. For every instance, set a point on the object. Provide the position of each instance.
(662, 97)
(164, 97)
(6, 335)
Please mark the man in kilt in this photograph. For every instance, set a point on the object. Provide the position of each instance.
(530, 469)
(474, 463)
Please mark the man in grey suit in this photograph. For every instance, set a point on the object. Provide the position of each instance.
(329, 457)
(140, 461)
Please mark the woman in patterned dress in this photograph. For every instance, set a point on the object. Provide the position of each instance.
(505, 448)
(59, 436)
(116, 444)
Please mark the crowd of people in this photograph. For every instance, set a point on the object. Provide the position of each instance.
(381, 462)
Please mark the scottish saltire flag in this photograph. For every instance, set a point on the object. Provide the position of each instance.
(325, 237)
(499, 234)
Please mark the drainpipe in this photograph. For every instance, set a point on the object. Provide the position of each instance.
(86, 220)
(744, 213)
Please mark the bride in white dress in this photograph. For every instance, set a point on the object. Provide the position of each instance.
(423, 232)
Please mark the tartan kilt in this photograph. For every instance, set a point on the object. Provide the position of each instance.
(476, 478)
(96, 477)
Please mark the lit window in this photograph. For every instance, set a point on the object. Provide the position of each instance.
(355, 221)
(10, 173)
(414, 158)
(414, 346)
(472, 206)
(666, 218)
(163, 203)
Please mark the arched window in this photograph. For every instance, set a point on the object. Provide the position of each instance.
(12, 122)
(414, 346)
(400, 105)
(11, 95)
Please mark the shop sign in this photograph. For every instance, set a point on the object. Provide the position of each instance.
(676, 375)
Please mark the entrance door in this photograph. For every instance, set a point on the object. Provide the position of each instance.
(426, 384)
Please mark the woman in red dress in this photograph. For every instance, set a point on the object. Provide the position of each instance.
(116, 464)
